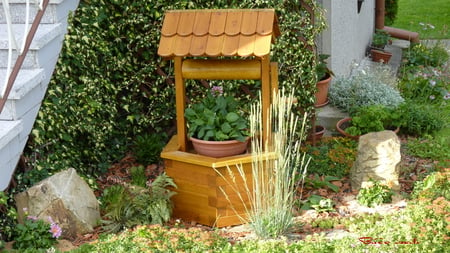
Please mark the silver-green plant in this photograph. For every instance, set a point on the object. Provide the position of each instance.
(276, 162)
(375, 85)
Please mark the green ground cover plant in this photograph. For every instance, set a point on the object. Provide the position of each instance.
(332, 156)
(374, 194)
(430, 19)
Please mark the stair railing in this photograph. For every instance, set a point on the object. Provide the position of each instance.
(28, 36)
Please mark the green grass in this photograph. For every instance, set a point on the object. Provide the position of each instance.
(411, 13)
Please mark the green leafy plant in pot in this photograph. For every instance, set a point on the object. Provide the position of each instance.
(217, 120)
(372, 118)
(324, 75)
(380, 39)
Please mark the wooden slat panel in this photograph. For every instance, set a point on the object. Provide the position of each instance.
(181, 45)
(189, 175)
(221, 70)
(225, 221)
(186, 186)
(170, 24)
(186, 23)
(233, 24)
(214, 45)
(249, 22)
(165, 48)
(217, 23)
(195, 215)
(230, 45)
(246, 45)
(262, 45)
(236, 201)
(198, 45)
(201, 23)
(265, 22)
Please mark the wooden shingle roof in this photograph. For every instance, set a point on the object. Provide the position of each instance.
(223, 32)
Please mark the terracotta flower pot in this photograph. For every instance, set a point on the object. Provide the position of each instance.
(219, 149)
(342, 124)
(380, 56)
(318, 133)
(322, 92)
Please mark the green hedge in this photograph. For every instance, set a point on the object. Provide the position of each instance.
(107, 88)
(390, 11)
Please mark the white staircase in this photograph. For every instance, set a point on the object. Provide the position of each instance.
(22, 106)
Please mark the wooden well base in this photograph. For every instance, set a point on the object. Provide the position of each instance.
(199, 196)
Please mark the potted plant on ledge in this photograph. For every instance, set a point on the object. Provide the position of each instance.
(216, 127)
(324, 75)
(380, 39)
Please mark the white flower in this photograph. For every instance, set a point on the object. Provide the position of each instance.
(432, 83)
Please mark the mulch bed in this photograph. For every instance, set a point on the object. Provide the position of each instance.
(120, 172)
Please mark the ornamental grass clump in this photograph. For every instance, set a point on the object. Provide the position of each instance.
(276, 162)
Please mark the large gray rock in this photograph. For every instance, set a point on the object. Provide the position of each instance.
(378, 159)
(65, 197)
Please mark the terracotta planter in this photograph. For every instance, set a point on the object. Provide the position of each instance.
(318, 133)
(342, 124)
(380, 56)
(322, 92)
(219, 149)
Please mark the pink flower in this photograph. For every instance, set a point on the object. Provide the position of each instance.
(31, 217)
(55, 230)
(217, 91)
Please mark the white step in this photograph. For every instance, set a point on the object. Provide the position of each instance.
(10, 150)
(56, 11)
(28, 91)
(45, 46)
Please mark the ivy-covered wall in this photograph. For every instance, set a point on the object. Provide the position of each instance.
(110, 86)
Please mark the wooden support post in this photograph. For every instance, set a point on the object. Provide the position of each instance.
(180, 91)
(273, 77)
(266, 94)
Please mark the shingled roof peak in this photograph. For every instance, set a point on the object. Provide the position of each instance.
(218, 32)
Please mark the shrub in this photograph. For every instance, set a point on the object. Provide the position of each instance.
(422, 55)
(429, 147)
(147, 147)
(426, 85)
(420, 119)
(127, 205)
(8, 217)
(363, 88)
(433, 186)
(334, 156)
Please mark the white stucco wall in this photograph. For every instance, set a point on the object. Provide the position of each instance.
(348, 33)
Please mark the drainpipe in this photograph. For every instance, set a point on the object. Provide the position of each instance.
(394, 32)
